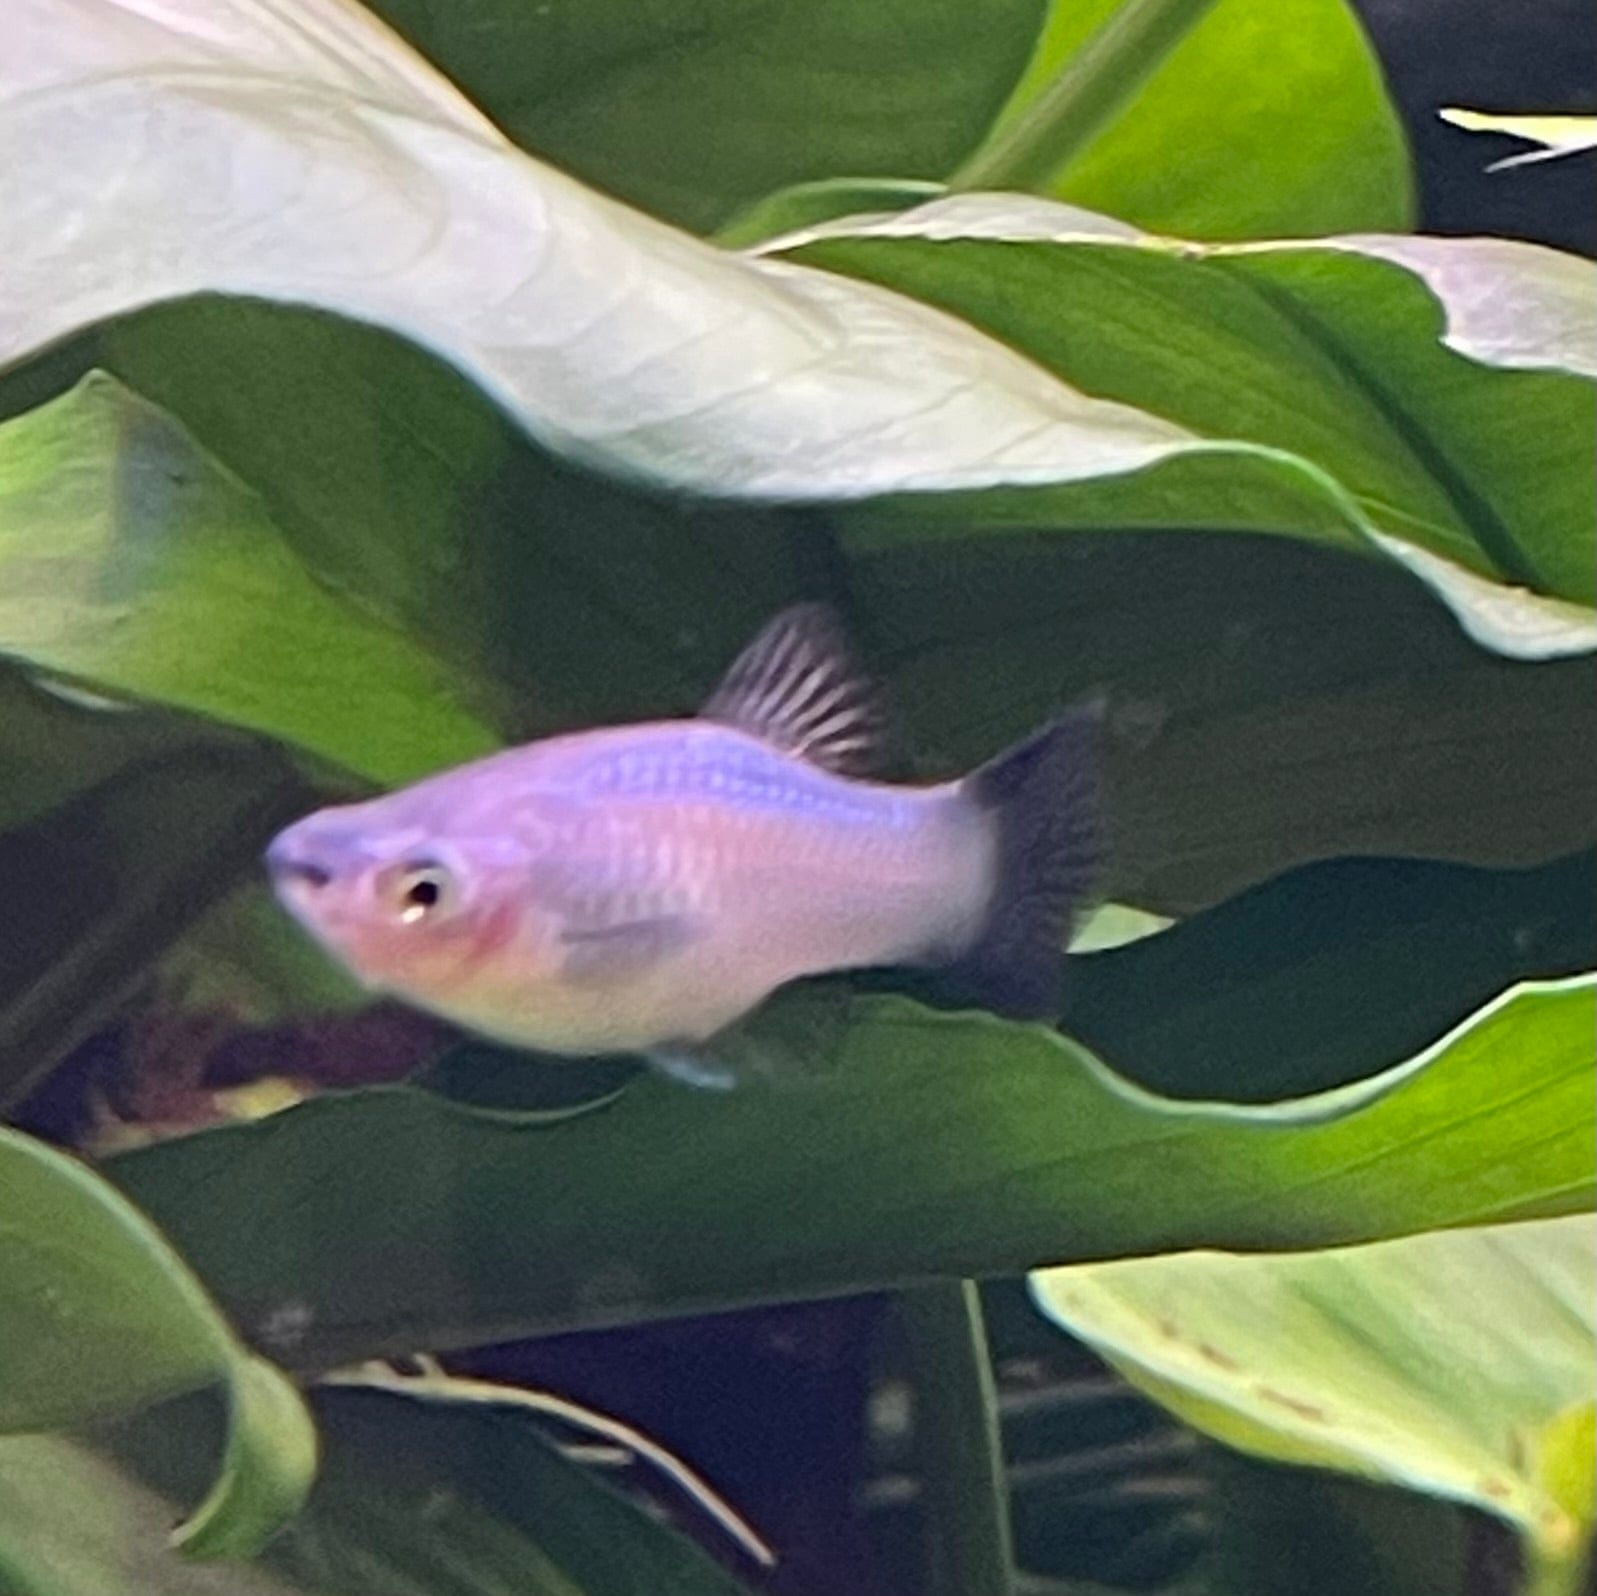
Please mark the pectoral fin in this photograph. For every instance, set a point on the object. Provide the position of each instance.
(693, 1064)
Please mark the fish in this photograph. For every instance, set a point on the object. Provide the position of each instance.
(641, 888)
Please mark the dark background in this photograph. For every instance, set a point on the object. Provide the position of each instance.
(1505, 56)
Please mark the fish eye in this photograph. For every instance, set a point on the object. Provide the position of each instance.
(423, 888)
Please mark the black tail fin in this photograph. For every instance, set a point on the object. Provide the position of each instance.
(1046, 794)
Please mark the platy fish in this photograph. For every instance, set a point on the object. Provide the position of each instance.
(640, 888)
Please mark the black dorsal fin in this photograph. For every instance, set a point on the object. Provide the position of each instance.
(798, 686)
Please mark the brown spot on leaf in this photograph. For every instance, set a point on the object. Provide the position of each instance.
(1222, 1360)
(1305, 1410)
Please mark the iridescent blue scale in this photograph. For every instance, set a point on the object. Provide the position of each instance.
(729, 767)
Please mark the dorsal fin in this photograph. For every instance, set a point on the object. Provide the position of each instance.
(797, 685)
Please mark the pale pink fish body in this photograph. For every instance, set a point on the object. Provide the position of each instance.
(639, 888)
(617, 889)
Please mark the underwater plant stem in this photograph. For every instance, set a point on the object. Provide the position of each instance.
(1089, 90)
(969, 1547)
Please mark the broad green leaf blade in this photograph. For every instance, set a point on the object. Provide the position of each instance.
(1260, 121)
(1323, 975)
(1264, 700)
(527, 1521)
(73, 1524)
(270, 1461)
(695, 113)
(1315, 1533)
(130, 560)
(397, 482)
(104, 883)
(508, 270)
(99, 1316)
(932, 1145)
(1435, 1362)
(1557, 135)
(431, 1485)
(60, 739)
(1334, 352)
(249, 960)
(415, 1497)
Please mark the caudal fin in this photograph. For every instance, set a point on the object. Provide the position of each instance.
(1046, 795)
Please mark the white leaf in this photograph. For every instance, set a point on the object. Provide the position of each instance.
(298, 151)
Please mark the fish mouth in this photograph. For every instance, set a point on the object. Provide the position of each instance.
(291, 873)
(307, 888)
(298, 881)
(296, 864)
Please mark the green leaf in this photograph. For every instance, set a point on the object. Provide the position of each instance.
(1257, 122)
(398, 483)
(1264, 700)
(1564, 1454)
(1391, 373)
(1426, 1362)
(266, 1471)
(523, 1521)
(417, 1496)
(1325, 974)
(1115, 925)
(1082, 94)
(103, 883)
(99, 1316)
(130, 560)
(1315, 1533)
(1557, 135)
(73, 1524)
(932, 1145)
(441, 1483)
(60, 738)
(508, 270)
(249, 960)
(693, 113)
